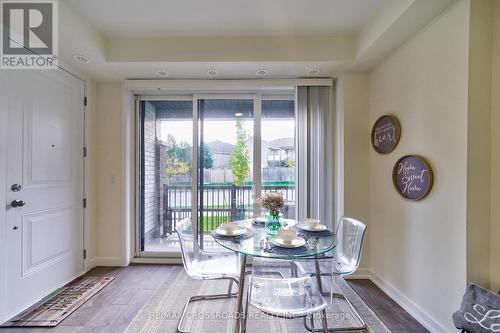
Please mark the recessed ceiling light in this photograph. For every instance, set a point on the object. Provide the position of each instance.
(161, 73)
(313, 71)
(81, 58)
(238, 114)
(262, 72)
(212, 72)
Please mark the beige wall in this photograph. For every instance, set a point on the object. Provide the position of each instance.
(419, 248)
(354, 134)
(109, 171)
(478, 143)
(495, 153)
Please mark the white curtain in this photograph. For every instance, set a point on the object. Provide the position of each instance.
(315, 149)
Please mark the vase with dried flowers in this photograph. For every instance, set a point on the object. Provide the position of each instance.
(273, 202)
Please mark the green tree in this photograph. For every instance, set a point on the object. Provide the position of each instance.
(183, 152)
(178, 156)
(171, 147)
(208, 157)
(240, 161)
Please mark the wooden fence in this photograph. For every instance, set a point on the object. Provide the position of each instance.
(225, 175)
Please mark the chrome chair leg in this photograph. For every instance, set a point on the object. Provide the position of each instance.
(362, 327)
(332, 295)
(247, 304)
(311, 320)
(335, 295)
(205, 298)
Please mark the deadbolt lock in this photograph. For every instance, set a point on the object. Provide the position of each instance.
(16, 188)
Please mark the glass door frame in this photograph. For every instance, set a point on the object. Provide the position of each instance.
(257, 105)
(257, 98)
(138, 181)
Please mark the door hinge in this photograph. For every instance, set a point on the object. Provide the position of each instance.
(84, 151)
(84, 202)
(85, 101)
(84, 253)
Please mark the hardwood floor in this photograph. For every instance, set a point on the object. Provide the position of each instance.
(111, 310)
(391, 314)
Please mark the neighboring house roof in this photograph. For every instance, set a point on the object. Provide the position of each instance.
(264, 143)
(219, 147)
(283, 143)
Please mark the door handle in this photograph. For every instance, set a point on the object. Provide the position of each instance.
(17, 203)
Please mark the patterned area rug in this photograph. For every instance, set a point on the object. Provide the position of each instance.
(162, 311)
(53, 309)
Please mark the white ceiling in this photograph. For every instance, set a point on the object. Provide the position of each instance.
(133, 39)
(162, 18)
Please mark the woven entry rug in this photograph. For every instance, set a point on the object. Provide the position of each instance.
(162, 311)
(53, 309)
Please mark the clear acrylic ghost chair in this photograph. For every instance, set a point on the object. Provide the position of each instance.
(204, 265)
(344, 260)
(276, 292)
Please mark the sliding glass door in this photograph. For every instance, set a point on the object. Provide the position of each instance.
(278, 150)
(166, 149)
(225, 161)
(209, 157)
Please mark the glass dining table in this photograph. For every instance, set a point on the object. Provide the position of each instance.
(257, 243)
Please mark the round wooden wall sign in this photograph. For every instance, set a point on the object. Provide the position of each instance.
(386, 133)
(412, 176)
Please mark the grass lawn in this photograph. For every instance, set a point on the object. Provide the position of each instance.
(212, 222)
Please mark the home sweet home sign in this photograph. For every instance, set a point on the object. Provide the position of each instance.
(412, 177)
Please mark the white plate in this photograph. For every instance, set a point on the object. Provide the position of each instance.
(238, 232)
(317, 228)
(296, 242)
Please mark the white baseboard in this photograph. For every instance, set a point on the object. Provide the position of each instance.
(161, 261)
(361, 274)
(107, 261)
(117, 261)
(411, 307)
(90, 263)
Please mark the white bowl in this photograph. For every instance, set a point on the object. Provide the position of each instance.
(312, 223)
(233, 233)
(316, 228)
(229, 227)
(287, 235)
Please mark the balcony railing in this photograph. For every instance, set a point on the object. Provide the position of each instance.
(221, 203)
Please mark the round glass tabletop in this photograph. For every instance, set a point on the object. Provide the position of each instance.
(259, 244)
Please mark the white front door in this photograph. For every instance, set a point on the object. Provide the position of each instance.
(44, 216)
